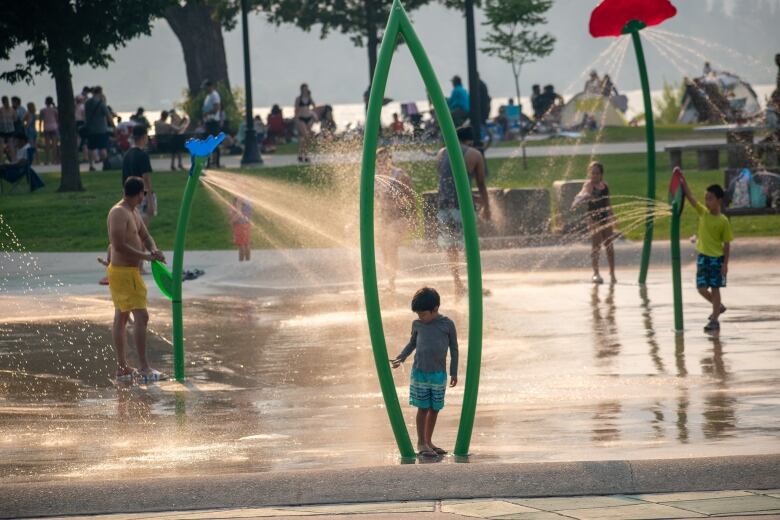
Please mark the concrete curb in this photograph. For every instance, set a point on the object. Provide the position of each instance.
(393, 483)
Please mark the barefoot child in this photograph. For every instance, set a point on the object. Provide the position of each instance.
(600, 218)
(240, 212)
(432, 335)
(714, 247)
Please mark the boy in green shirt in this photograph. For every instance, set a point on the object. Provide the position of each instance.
(714, 246)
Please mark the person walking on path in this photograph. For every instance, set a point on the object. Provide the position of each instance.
(51, 131)
(714, 248)
(131, 243)
(305, 116)
(448, 216)
(7, 144)
(97, 119)
(432, 335)
(212, 109)
(136, 163)
(31, 125)
(397, 207)
(601, 219)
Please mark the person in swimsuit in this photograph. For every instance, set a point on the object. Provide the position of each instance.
(51, 131)
(601, 218)
(450, 223)
(304, 119)
(397, 207)
(130, 244)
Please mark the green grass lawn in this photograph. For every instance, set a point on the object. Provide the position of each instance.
(51, 221)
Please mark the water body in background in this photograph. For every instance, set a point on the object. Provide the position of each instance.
(354, 113)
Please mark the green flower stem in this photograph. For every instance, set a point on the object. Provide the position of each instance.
(650, 139)
(178, 265)
(676, 274)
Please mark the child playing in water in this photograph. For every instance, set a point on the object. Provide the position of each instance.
(432, 335)
(240, 212)
(600, 218)
(714, 247)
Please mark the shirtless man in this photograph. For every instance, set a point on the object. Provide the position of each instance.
(450, 222)
(130, 242)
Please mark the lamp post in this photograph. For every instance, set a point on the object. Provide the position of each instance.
(251, 155)
(475, 111)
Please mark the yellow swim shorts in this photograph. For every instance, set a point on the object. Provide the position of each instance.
(128, 289)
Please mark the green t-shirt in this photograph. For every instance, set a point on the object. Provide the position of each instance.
(714, 231)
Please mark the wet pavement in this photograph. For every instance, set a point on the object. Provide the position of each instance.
(281, 376)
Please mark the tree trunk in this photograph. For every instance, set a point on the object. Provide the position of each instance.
(200, 34)
(516, 73)
(70, 178)
(373, 40)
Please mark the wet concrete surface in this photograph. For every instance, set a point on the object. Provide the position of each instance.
(284, 379)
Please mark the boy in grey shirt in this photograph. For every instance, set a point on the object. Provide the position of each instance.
(432, 335)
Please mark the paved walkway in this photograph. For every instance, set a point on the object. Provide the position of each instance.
(729, 504)
(273, 160)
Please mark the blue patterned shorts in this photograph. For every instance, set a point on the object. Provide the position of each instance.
(708, 271)
(426, 389)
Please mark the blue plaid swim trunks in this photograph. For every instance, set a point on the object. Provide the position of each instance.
(708, 271)
(426, 389)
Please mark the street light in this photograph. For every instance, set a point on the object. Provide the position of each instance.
(475, 112)
(251, 155)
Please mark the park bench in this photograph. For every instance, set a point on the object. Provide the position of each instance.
(171, 143)
(708, 155)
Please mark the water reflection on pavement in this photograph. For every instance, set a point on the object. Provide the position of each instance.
(283, 380)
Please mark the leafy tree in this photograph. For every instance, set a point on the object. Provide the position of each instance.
(511, 37)
(362, 20)
(669, 104)
(62, 33)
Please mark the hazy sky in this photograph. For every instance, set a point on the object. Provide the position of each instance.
(150, 70)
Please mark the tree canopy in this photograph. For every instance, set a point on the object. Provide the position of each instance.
(62, 33)
(511, 37)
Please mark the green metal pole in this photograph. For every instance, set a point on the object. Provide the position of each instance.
(633, 28)
(178, 266)
(676, 275)
(367, 254)
(399, 22)
(470, 235)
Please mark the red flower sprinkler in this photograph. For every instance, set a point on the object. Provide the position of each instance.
(615, 18)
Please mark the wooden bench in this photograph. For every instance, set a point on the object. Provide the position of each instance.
(171, 143)
(708, 155)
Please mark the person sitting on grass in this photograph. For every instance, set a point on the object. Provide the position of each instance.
(714, 247)
(432, 335)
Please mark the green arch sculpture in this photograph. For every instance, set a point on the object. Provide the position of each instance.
(399, 23)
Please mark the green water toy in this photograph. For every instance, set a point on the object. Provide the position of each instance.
(677, 200)
(399, 23)
(169, 282)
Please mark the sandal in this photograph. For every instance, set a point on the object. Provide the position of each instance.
(127, 377)
(151, 376)
(427, 453)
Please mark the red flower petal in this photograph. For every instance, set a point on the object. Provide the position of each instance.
(611, 16)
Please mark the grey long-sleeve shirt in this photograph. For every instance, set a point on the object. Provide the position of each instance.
(431, 340)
